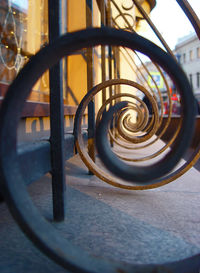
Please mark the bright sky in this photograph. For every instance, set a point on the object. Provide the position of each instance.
(171, 21)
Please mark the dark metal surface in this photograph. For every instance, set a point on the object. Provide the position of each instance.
(190, 13)
(57, 119)
(90, 82)
(35, 158)
(103, 51)
(105, 152)
(30, 220)
(39, 159)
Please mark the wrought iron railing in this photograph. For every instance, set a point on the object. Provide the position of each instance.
(158, 126)
(113, 120)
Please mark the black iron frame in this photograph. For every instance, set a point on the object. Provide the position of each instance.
(51, 156)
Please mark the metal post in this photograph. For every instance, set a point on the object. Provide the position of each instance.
(109, 23)
(103, 52)
(91, 105)
(57, 119)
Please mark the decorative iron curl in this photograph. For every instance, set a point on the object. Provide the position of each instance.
(129, 20)
(132, 136)
(127, 8)
(41, 232)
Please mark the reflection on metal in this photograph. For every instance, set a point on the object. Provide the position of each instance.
(125, 119)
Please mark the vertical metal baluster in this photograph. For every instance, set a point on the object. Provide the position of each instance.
(56, 119)
(91, 106)
(109, 23)
(63, 29)
(116, 76)
(103, 51)
(117, 70)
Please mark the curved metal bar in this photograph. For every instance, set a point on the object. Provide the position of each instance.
(138, 69)
(124, 16)
(108, 101)
(145, 68)
(169, 115)
(118, 167)
(146, 17)
(38, 230)
(160, 151)
(143, 65)
(99, 171)
(157, 88)
(166, 124)
(142, 123)
(121, 14)
(127, 8)
(141, 176)
(146, 115)
(150, 132)
(191, 15)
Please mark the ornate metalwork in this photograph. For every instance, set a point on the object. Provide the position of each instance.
(145, 126)
(15, 191)
(190, 13)
(141, 139)
(128, 19)
(118, 117)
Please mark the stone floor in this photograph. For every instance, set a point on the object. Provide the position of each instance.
(140, 227)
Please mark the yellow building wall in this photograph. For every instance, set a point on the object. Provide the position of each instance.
(77, 64)
(142, 24)
(127, 66)
(36, 35)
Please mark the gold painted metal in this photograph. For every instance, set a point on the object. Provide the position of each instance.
(105, 176)
(134, 128)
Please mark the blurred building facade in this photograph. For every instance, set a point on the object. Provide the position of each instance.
(187, 51)
(24, 30)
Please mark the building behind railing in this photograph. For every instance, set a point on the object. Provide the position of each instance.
(188, 51)
(24, 30)
(121, 139)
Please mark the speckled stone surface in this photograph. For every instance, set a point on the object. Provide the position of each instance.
(141, 227)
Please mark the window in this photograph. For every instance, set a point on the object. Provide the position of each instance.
(184, 58)
(23, 30)
(198, 52)
(191, 55)
(179, 59)
(190, 78)
(198, 79)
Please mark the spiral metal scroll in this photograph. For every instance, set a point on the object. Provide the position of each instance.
(131, 136)
(143, 134)
(21, 205)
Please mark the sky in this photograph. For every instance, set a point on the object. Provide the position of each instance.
(171, 21)
(22, 4)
